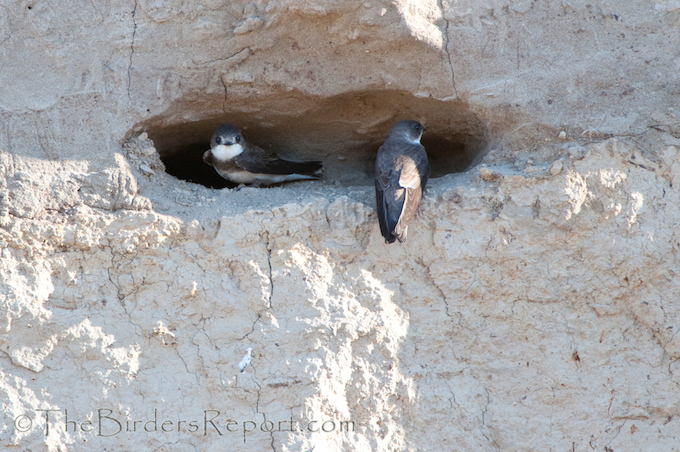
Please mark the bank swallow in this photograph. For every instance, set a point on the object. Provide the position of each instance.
(401, 172)
(243, 163)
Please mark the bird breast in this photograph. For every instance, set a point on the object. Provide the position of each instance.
(223, 152)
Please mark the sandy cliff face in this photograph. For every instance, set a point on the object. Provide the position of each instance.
(534, 305)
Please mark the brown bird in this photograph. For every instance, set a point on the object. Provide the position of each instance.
(243, 163)
(401, 173)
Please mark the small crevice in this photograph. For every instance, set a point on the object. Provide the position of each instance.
(121, 297)
(132, 51)
(252, 328)
(271, 434)
(257, 409)
(486, 407)
(186, 367)
(224, 104)
(670, 371)
(441, 292)
(232, 59)
(446, 305)
(536, 209)
(257, 402)
(271, 279)
(445, 46)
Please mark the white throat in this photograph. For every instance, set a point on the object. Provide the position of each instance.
(224, 152)
(416, 141)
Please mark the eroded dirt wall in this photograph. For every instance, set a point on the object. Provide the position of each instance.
(534, 305)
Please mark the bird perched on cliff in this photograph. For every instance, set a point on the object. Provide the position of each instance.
(401, 172)
(243, 163)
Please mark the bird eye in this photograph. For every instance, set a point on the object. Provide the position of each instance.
(238, 138)
(417, 127)
(218, 140)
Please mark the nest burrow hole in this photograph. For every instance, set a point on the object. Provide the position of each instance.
(344, 132)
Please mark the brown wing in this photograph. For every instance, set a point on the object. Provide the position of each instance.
(254, 158)
(401, 172)
(412, 198)
(386, 179)
(257, 160)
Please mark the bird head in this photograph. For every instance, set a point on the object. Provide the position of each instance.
(226, 142)
(408, 129)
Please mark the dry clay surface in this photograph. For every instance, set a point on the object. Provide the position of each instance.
(534, 306)
(530, 309)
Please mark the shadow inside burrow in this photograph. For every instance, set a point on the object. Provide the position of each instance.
(344, 132)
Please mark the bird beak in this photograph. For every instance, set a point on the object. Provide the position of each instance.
(229, 143)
